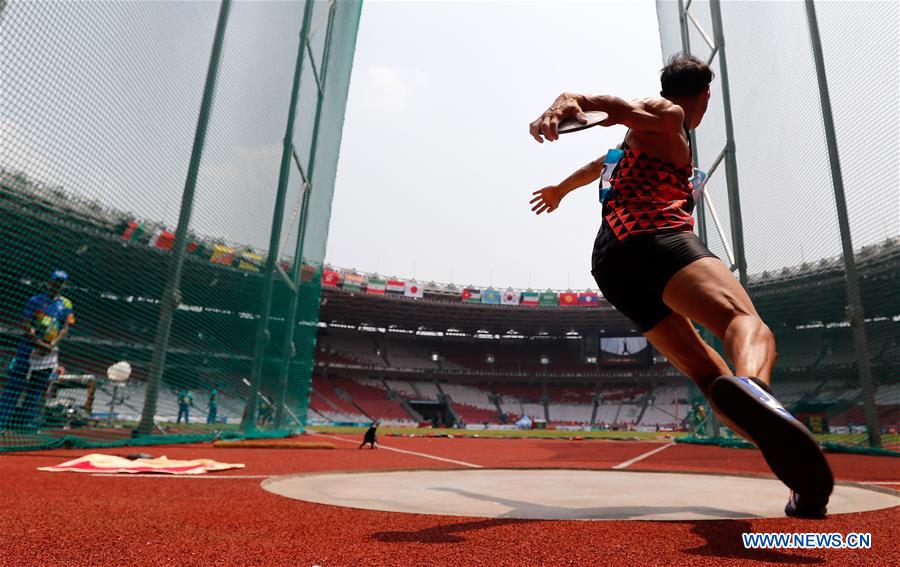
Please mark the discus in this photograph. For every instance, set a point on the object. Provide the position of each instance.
(573, 125)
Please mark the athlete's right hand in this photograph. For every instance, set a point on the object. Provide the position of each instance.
(547, 199)
(565, 106)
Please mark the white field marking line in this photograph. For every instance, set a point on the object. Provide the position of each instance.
(426, 455)
(630, 462)
(212, 476)
(877, 482)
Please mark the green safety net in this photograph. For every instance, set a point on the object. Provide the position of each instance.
(101, 116)
(795, 265)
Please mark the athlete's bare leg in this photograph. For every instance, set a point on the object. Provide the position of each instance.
(677, 339)
(706, 292)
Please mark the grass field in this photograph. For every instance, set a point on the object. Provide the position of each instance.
(888, 441)
(507, 434)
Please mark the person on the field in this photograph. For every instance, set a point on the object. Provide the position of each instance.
(185, 403)
(213, 405)
(651, 266)
(45, 322)
(369, 437)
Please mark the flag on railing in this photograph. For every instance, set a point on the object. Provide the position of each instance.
(568, 299)
(491, 296)
(353, 282)
(549, 298)
(471, 295)
(414, 289)
(531, 298)
(222, 255)
(250, 261)
(396, 287)
(589, 299)
(162, 238)
(376, 286)
(133, 230)
(330, 278)
(510, 297)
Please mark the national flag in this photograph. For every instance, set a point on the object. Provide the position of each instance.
(162, 238)
(568, 299)
(353, 282)
(588, 298)
(133, 231)
(222, 255)
(200, 248)
(531, 298)
(414, 289)
(396, 287)
(510, 297)
(330, 278)
(549, 298)
(471, 295)
(376, 286)
(491, 296)
(250, 261)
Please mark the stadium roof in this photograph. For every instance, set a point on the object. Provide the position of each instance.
(362, 309)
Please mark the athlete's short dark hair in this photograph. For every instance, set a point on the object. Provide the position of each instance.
(685, 75)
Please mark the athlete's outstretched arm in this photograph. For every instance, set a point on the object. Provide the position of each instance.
(548, 198)
(649, 114)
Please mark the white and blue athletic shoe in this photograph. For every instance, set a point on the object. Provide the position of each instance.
(788, 447)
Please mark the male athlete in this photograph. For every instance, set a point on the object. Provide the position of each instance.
(651, 266)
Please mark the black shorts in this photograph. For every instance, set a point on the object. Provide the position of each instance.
(633, 273)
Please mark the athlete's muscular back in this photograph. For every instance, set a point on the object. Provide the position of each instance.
(668, 145)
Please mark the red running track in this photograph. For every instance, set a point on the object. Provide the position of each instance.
(75, 519)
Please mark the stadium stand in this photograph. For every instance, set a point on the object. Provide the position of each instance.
(571, 393)
(570, 414)
(371, 397)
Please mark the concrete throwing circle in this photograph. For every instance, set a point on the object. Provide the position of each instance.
(559, 494)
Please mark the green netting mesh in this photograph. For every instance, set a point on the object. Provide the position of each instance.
(100, 117)
(791, 233)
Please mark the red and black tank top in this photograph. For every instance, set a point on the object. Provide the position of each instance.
(649, 195)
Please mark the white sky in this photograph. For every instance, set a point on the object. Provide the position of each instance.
(437, 167)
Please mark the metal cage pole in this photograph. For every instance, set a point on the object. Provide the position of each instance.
(701, 202)
(288, 349)
(262, 331)
(855, 309)
(731, 176)
(171, 297)
(686, 48)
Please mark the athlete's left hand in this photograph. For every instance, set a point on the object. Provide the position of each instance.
(547, 199)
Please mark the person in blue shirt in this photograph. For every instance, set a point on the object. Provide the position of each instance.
(46, 320)
(185, 403)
